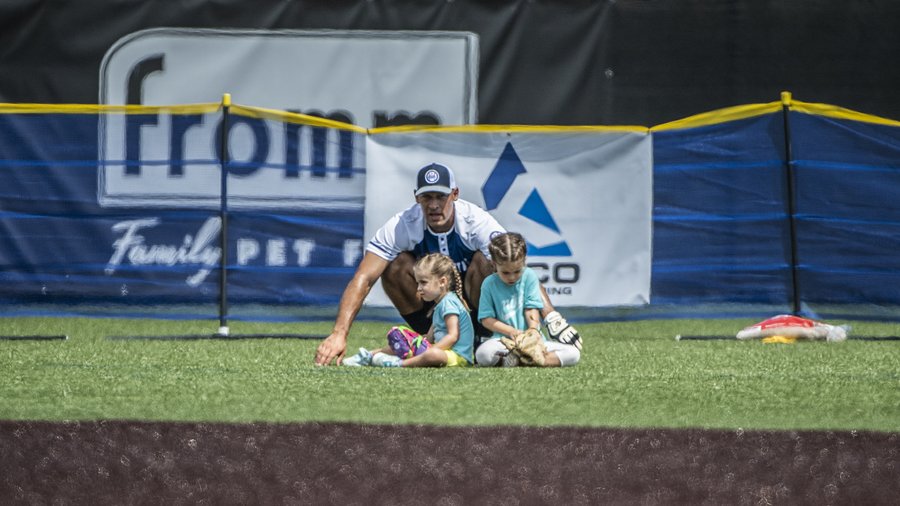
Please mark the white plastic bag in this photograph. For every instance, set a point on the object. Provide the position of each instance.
(796, 327)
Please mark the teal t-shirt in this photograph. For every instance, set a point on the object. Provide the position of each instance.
(508, 303)
(448, 305)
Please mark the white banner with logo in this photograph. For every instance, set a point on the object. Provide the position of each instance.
(581, 197)
(363, 78)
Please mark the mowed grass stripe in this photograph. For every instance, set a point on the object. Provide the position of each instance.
(632, 374)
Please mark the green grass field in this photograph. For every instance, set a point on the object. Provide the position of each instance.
(631, 375)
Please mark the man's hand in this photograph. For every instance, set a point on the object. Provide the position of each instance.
(331, 349)
(334, 346)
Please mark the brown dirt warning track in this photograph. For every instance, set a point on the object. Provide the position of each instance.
(117, 462)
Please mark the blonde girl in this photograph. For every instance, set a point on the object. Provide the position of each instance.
(452, 333)
(511, 303)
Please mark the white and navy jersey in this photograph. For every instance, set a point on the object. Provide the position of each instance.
(473, 228)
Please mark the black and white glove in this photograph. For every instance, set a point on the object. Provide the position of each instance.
(561, 331)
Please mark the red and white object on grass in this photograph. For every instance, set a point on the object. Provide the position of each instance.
(794, 326)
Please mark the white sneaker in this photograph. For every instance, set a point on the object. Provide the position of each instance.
(382, 359)
(363, 357)
(560, 330)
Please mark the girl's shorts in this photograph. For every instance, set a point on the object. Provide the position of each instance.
(455, 359)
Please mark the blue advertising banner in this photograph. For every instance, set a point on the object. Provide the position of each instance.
(720, 221)
(120, 206)
(61, 243)
(848, 212)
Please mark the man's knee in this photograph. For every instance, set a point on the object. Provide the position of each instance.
(399, 284)
(480, 268)
(398, 271)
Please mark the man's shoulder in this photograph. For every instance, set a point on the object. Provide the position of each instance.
(399, 233)
(470, 216)
(475, 225)
(468, 209)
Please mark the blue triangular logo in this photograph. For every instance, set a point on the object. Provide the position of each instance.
(506, 170)
(497, 185)
(535, 210)
(560, 249)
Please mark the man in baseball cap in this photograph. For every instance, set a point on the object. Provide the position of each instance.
(438, 222)
(435, 177)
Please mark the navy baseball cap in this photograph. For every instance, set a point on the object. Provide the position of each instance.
(435, 177)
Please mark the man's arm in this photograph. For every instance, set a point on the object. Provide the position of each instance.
(335, 345)
(548, 306)
(557, 326)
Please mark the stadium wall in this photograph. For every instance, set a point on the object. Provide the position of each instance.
(537, 62)
(780, 205)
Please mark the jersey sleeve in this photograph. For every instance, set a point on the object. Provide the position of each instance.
(395, 236)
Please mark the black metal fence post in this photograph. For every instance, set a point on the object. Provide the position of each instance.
(791, 204)
(223, 219)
